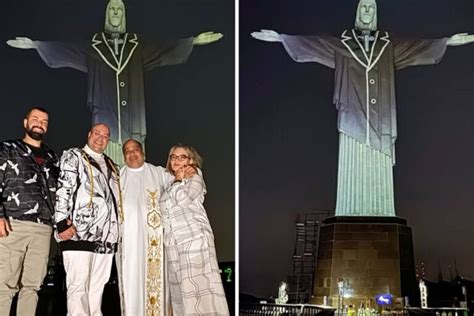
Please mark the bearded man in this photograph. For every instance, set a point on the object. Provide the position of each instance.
(28, 175)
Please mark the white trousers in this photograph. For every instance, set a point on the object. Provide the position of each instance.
(86, 275)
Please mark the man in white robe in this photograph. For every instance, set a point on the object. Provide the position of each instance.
(140, 256)
(140, 262)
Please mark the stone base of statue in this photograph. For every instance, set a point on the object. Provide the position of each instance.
(361, 257)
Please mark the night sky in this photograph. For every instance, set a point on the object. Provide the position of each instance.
(191, 103)
(289, 142)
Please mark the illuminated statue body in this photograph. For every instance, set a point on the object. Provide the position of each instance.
(115, 62)
(115, 85)
(365, 61)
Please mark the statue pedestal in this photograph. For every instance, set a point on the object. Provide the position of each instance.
(372, 255)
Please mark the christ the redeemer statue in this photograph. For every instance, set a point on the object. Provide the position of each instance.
(114, 62)
(365, 60)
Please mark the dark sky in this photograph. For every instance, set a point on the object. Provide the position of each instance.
(191, 103)
(289, 141)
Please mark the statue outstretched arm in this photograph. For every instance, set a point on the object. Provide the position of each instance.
(267, 36)
(305, 48)
(55, 54)
(23, 43)
(207, 38)
(460, 39)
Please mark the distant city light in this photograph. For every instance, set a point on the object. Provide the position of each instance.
(384, 299)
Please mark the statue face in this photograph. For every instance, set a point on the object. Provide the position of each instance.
(366, 15)
(115, 17)
(115, 14)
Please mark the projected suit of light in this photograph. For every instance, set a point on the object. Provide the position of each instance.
(364, 60)
(115, 62)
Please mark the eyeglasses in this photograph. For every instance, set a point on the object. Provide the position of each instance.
(100, 135)
(179, 158)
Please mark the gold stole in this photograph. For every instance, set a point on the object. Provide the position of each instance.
(154, 263)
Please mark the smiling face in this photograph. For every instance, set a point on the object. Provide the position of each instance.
(366, 18)
(98, 138)
(36, 124)
(179, 158)
(133, 154)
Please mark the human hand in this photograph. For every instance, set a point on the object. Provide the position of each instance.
(189, 171)
(5, 227)
(179, 174)
(68, 233)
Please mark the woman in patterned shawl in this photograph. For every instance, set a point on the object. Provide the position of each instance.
(193, 277)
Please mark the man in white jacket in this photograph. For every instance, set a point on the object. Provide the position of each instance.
(87, 212)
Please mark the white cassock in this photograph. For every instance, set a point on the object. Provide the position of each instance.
(140, 255)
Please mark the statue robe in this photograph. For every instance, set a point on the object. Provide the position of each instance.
(364, 96)
(140, 261)
(115, 83)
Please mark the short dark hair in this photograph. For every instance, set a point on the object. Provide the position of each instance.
(38, 108)
(132, 140)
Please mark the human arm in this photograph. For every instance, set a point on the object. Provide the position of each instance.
(207, 38)
(184, 192)
(55, 54)
(167, 178)
(5, 227)
(185, 172)
(67, 185)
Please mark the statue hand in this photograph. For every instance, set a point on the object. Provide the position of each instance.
(22, 42)
(206, 38)
(267, 36)
(460, 39)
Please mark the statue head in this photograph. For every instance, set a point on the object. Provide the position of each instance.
(366, 16)
(115, 17)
